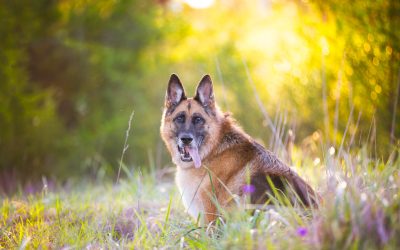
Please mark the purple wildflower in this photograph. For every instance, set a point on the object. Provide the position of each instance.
(302, 231)
(30, 189)
(248, 189)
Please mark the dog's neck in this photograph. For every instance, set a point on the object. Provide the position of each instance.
(231, 135)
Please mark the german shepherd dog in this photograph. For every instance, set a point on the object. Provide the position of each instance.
(216, 160)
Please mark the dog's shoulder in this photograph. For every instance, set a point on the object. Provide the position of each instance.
(232, 135)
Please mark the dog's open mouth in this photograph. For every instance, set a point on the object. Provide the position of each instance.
(185, 156)
(190, 153)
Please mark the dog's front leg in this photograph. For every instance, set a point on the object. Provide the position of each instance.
(210, 212)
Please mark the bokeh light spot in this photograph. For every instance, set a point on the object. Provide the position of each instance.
(199, 4)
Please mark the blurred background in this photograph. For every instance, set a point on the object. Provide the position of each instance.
(318, 73)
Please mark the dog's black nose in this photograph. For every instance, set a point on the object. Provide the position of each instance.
(186, 139)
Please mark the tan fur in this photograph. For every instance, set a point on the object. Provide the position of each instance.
(229, 154)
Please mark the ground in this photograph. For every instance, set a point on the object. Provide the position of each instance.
(360, 210)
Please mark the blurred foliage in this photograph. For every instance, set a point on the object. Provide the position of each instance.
(71, 73)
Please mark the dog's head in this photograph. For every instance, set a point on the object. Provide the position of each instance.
(190, 126)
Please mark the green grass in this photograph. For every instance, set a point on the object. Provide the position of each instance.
(360, 210)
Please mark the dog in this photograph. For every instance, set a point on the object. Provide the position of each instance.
(216, 160)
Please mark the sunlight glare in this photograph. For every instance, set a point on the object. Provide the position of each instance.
(199, 4)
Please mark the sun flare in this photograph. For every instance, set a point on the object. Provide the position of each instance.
(199, 4)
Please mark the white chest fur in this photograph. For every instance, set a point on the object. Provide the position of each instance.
(189, 187)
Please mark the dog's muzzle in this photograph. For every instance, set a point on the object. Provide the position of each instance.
(189, 149)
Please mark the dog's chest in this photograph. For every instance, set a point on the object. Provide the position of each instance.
(189, 187)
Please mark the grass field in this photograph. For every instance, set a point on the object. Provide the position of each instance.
(360, 210)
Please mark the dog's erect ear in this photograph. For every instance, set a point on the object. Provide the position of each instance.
(204, 92)
(175, 92)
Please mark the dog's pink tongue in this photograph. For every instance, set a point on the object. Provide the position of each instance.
(194, 153)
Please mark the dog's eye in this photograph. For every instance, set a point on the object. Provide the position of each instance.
(180, 119)
(198, 120)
